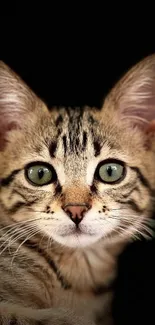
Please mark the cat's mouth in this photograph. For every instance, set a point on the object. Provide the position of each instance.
(70, 231)
(77, 230)
(74, 231)
(76, 237)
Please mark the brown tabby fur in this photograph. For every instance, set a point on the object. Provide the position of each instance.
(46, 277)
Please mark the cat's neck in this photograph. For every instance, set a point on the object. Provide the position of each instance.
(89, 269)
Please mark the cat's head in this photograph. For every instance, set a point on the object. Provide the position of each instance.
(78, 176)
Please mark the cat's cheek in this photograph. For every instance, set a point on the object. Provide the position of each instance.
(100, 230)
(56, 223)
(99, 224)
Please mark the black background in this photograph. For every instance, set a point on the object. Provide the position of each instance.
(68, 65)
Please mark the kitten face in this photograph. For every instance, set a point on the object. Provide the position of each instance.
(71, 159)
(114, 208)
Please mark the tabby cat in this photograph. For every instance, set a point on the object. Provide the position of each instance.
(76, 185)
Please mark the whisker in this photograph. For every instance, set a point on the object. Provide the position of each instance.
(134, 227)
(33, 233)
(15, 238)
(21, 234)
(20, 223)
(13, 233)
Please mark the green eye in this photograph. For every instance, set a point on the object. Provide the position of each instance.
(40, 174)
(111, 172)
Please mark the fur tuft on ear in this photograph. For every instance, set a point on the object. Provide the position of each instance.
(17, 103)
(134, 95)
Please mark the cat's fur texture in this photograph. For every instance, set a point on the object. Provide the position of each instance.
(47, 274)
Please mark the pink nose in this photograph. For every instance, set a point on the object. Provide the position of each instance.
(76, 211)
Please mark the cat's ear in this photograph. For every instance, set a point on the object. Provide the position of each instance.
(18, 104)
(134, 96)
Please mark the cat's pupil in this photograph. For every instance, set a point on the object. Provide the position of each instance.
(40, 173)
(109, 170)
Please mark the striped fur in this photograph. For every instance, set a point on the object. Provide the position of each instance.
(50, 275)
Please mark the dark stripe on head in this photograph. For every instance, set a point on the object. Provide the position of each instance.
(64, 139)
(84, 142)
(6, 181)
(59, 120)
(72, 137)
(52, 149)
(142, 178)
(97, 141)
(97, 147)
(50, 262)
(59, 131)
(77, 142)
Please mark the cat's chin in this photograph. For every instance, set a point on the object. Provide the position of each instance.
(76, 239)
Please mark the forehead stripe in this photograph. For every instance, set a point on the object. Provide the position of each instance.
(97, 147)
(52, 149)
(85, 139)
(64, 139)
